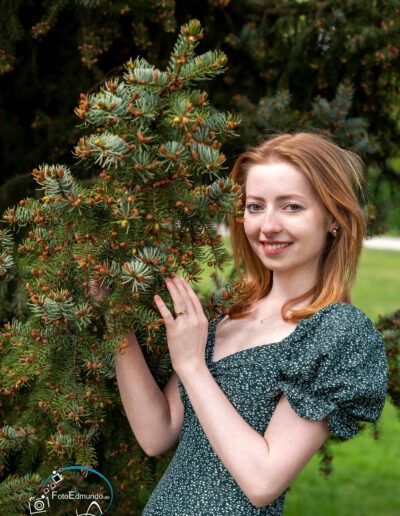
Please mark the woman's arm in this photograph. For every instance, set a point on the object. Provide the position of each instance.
(247, 455)
(262, 466)
(155, 417)
(292, 441)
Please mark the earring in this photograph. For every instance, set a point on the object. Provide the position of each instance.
(334, 232)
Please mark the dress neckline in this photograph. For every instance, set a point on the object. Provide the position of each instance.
(294, 334)
(247, 350)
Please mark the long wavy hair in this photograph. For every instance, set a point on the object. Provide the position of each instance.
(337, 176)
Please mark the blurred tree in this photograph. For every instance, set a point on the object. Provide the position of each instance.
(328, 65)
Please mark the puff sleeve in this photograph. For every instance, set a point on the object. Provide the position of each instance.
(340, 371)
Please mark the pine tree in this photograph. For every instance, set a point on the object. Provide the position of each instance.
(154, 138)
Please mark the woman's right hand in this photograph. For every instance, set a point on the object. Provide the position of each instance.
(97, 292)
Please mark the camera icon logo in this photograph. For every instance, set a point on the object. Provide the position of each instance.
(39, 506)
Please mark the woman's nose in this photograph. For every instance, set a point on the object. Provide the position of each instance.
(271, 222)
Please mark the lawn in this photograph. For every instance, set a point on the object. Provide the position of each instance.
(366, 472)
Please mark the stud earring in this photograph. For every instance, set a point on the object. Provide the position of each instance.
(334, 232)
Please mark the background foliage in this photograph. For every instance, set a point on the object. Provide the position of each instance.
(329, 65)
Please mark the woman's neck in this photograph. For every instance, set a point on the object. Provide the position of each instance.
(290, 285)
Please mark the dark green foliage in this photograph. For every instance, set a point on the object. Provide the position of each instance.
(153, 137)
(389, 326)
(327, 65)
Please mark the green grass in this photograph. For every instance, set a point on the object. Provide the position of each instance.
(377, 286)
(366, 473)
(393, 232)
(365, 478)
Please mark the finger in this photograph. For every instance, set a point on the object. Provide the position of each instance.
(178, 300)
(197, 307)
(97, 292)
(164, 311)
(179, 282)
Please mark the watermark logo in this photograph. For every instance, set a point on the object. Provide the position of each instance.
(98, 503)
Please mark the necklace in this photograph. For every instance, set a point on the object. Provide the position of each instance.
(264, 318)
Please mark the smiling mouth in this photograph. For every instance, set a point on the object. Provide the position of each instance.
(276, 246)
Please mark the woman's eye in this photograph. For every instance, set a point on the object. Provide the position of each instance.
(296, 207)
(248, 206)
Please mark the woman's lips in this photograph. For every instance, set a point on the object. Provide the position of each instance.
(277, 248)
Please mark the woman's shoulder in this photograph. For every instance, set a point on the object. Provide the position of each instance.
(339, 315)
(336, 320)
(333, 317)
(339, 369)
(341, 323)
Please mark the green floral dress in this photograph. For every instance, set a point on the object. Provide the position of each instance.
(332, 364)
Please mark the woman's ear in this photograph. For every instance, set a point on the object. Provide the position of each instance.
(330, 222)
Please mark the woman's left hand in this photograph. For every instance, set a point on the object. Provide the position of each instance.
(187, 333)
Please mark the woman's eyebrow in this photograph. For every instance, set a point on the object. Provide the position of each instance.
(279, 198)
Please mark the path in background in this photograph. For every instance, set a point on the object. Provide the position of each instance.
(378, 242)
(383, 242)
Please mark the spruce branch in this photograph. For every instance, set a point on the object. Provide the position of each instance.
(139, 72)
(28, 212)
(59, 307)
(187, 41)
(137, 274)
(53, 12)
(210, 159)
(222, 124)
(92, 256)
(14, 438)
(335, 116)
(15, 491)
(56, 181)
(107, 149)
(204, 67)
(6, 254)
(6, 265)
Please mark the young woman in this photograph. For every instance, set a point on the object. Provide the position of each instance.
(257, 392)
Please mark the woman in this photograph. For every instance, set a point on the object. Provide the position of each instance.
(257, 392)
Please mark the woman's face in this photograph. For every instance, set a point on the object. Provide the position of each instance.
(282, 206)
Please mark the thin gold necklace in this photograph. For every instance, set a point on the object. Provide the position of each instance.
(265, 318)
